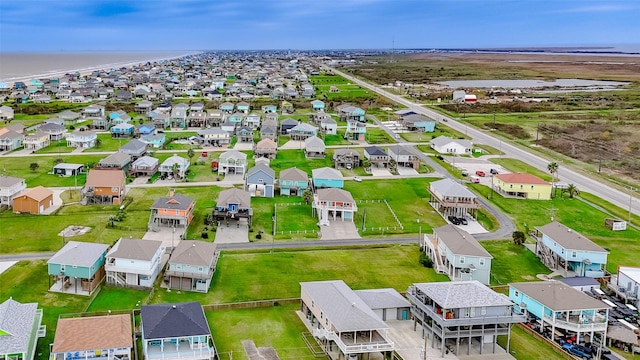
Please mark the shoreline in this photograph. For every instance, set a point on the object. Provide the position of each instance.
(89, 69)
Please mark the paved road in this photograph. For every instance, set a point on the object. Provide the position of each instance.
(506, 225)
(623, 199)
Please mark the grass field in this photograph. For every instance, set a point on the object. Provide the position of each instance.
(512, 263)
(378, 136)
(377, 218)
(116, 298)
(295, 217)
(526, 347)
(518, 166)
(278, 327)
(337, 139)
(108, 144)
(237, 279)
(289, 158)
(58, 146)
(19, 167)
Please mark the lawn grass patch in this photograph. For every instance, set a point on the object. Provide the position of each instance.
(295, 158)
(57, 146)
(294, 217)
(487, 220)
(488, 150)
(259, 276)
(375, 218)
(526, 347)
(18, 167)
(512, 263)
(107, 143)
(337, 139)
(518, 166)
(117, 298)
(378, 136)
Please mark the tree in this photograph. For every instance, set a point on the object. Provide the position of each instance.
(34, 166)
(553, 169)
(307, 196)
(98, 143)
(572, 190)
(366, 163)
(518, 237)
(175, 170)
(190, 154)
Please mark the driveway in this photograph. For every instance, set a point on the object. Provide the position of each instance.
(243, 146)
(380, 172)
(57, 201)
(232, 233)
(167, 235)
(471, 165)
(292, 144)
(338, 230)
(403, 170)
(409, 344)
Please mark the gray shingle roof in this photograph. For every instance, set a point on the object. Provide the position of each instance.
(262, 168)
(568, 238)
(78, 253)
(193, 252)
(462, 294)
(175, 202)
(134, 145)
(134, 249)
(375, 151)
(344, 309)
(382, 298)
(16, 319)
(558, 296)
(173, 320)
(7, 181)
(400, 150)
(115, 159)
(334, 194)
(235, 154)
(234, 196)
(461, 242)
(294, 174)
(326, 173)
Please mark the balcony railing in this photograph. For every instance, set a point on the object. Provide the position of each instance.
(355, 348)
(599, 324)
(188, 274)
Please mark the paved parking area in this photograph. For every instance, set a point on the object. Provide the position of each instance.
(292, 144)
(167, 235)
(402, 170)
(232, 233)
(380, 171)
(471, 165)
(338, 230)
(409, 344)
(243, 146)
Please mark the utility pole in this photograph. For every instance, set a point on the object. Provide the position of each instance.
(631, 191)
(537, 129)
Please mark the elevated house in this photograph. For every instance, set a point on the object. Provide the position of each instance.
(161, 120)
(70, 117)
(455, 314)
(332, 204)
(214, 118)
(33, 201)
(180, 164)
(327, 177)
(82, 139)
(449, 198)
(446, 145)
(104, 187)
(10, 187)
(317, 105)
(134, 148)
(328, 125)
(6, 112)
(123, 130)
(286, 125)
(269, 130)
(117, 160)
(134, 263)
(173, 211)
(339, 318)
(11, 140)
(214, 137)
(191, 266)
(386, 303)
(233, 204)
(176, 331)
(196, 118)
(232, 162)
(265, 148)
(21, 327)
(155, 141)
(260, 181)
(55, 131)
(314, 148)
(227, 107)
(626, 284)
(144, 166)
(350, 112)
(244, 134)
(521, 186)
(77, 268)
(458, 254)
(36, 141)
(293, 181)
(252, 121)
(179, 115)
(143, 107)
(145, 129)
(94, 337)
(562, 248)
(378, 157)
(560, 310)
(303, 131)
(355, 131)
(346, 159)
(404, 157)
(415, 122)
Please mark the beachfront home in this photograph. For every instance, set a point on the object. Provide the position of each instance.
(350, 112)
(82, 139)
(416, 122)
(562, 248)
(560, 310)
(314, 148)
(104, 187)
(134, 148)
(293, 181)
(191, 266)
(134, 263)
(332, 203)
(260, 181)
(20, 326)
(454, 315)
(144, 166)
(235, 204)
(521, 186)
(173, 211)
(10, 187)
(55, 131)
(449, 198)
(77, 268)
(107, 337)
(404, 156)
(176, 331)
(180, 164)
(458, 254)
(11, 140)
(265, 148)
(446, 145)
(327, 177)
(33, 201)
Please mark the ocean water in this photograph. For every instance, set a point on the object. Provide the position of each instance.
(25, 66)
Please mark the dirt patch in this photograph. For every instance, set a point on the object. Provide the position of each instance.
(74, 230)
(261, 353)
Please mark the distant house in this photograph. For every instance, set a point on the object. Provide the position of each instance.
(562, 248)
(346, 159)
(77, 268)
(265, 148)
(123, 130)
(21, 326)
(446, 145)
(327, 178)
(6, 112)
(10, 187)
(449, 198)
(628, 279)
(243, 107)
(104, 187)
(520, 185)
(182, 164)
(55, 131)
(244, 134)
(260, 181)
(404, 156)
(415, 122)
(82, 139)
(196, 118)
(179, 115)
(154, 141)
(177, 331)
(232, 162)
(252, 121)
(69, 117)
(286, 125)
(376, 156)
(143, 107)
(214, 137)
(332, 204)
(293, 181)
(37, 140)
(134, 262)
(458, 254)
(134, 148)
(227, 107)
(303, 131)
(191, 265)
(317, 105)
(269, 130)
(314, 147)
(328, 125)
(33, 201)
(233, 204)
(144, 166)
(11, 140)
(175, 210)
(109, 337)
(67, 169)
(355, 131)
(117, 160)
(350, 112)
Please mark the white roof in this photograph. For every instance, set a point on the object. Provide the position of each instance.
(449, 187)
(632, 272)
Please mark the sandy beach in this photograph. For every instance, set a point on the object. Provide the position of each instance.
(16, 67)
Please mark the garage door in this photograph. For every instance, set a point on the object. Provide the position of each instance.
(379, 313)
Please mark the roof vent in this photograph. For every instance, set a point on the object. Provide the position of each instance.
(353, 304)
(173, 306)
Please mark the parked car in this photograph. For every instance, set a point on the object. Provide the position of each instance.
(465, 173)
(357, 179)
(475, 179)
(454, 220)
(574, 350)
(463, 221)
(494, 171)
(480, 173)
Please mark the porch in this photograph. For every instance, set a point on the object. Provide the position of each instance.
(174, 349)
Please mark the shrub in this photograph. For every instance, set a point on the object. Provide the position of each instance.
(425, 260)
(205, 235)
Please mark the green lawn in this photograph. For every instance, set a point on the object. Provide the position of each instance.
(27, 281)
(489, 150)
(19, 167)
(378, 136)
(377, 219)
(527, 347)
(295, 158)
(237, 277)
(579, 216)
(512, 263)
(337, 139)
(278, 327)
(116, 298)
(417, 136)
(108, 144)
(295, 218)
(59, 146)
(518, 166)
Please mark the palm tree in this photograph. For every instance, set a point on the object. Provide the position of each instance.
(98, 143)
(190, 154)
(307, 196)
(175, 169)
(553, 169)
(366, 163)
(572, 190)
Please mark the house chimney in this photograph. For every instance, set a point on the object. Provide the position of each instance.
(171, 192)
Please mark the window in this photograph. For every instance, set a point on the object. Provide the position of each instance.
(114, 189)
(511, 186)
(461, 259)
(321, 315)
(177, 212)
(313, 304)
(574, 254)
(516, 293)
(481, 262)
(260, 181)
(62, 267)
(483, 310)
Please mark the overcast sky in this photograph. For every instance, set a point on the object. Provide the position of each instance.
(54, 25)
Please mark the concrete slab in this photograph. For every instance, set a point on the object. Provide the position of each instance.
(471, 165)
(380, 172)
(409, 344)
(141, 180)
(338, 230)
(292, 144)
(243, 146)
(168, 237)
(57, 201)
(404, 171)
(4, 265)
(232, 233)
(473, 227)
